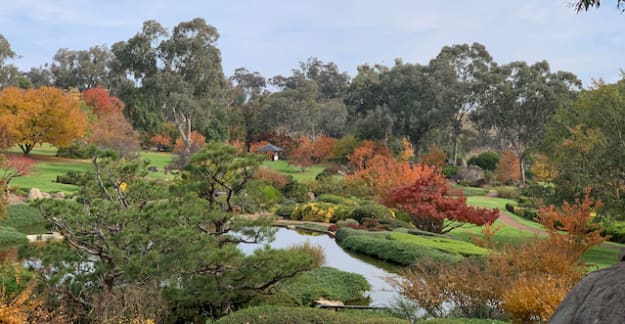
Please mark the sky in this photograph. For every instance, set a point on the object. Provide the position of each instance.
(272, 36)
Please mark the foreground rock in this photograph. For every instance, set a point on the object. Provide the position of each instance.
(598, 298)
(34, 194)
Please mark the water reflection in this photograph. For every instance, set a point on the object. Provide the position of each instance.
(381, 293)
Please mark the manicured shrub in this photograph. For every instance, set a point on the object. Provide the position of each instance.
(486, 161)
(372, 210)
(508, 192)
(306, 315)
(25, 219)
(334, 199)
(10, 237)
(326, 282)
(71, 177)
(285, 210)
(527, 213)
(381, 246)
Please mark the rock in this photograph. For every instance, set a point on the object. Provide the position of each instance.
(324, 302)
(58, 195)
(35, 194)
(46, 195)
(471, 174)
(153, 169)
(598, 298)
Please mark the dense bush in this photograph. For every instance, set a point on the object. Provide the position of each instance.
(486, 161)
(295, 190)
(527, 213)
(262, 195)
(617, 231)
(326, 282)
(306, 315)
(508, 192)
(372, 210)
(77, 151)
(25, 219)
(274, 178)
(450, 171)
(320, 212)
(380, 246)
(285, 210)
(71, 177)
(10, 237)
(334, 199)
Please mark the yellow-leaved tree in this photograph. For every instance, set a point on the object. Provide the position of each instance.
(43, 115)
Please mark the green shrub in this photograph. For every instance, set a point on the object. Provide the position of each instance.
(295, 190)
(380, 246)
(527, 213)
(486, 161)
(372, 210)
(9, 274)
(617, 231)
(71, 177)
(307, 315)
(25, 219)
(320, 212)
(285, 210)
(326, 282)
(10, 237)
(450, 171)
(508, 192)
(334, 199)
(262, 195)
(77, 151)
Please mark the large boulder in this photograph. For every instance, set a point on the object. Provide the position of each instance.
(598, 298)
(472, 174)
(35, 194)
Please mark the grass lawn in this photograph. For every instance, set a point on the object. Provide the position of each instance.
(45, 170)
(25, 219)
(296, 172)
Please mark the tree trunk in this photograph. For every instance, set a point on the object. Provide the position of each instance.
(26, 148)
(522, 166)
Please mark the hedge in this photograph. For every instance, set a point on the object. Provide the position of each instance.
(617, 232)
(381, 246)
(307, 315)
(372, 210)
(527, 213)
(326, 282)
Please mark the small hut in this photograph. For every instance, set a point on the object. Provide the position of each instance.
(271, 151)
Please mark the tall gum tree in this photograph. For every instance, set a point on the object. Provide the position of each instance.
(182, 70)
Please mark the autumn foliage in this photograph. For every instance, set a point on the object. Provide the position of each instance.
(302, 154)
(101, 102)
(524, 283)
(509, 167)
(434, 157)
(11, 166)
(431, 204)
(43, 115)
(197, 142)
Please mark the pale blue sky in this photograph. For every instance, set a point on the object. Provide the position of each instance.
(272, 36)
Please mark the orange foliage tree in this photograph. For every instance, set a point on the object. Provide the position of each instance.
(542, 169)
(406, 152)
(323, 148)
(111, 130)
(302, 154)
(509, 167)
(197, 142)
(432, 204)
(161, 141)
(43, 115)
(434, 157)
(524, 283)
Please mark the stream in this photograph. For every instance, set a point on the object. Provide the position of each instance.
(381, 293)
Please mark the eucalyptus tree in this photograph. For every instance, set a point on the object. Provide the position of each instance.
(8, 72)
(462, 71)
(521, 99)
(81, 69)
(181, 70)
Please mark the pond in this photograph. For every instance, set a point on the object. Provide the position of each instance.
(381, 293)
